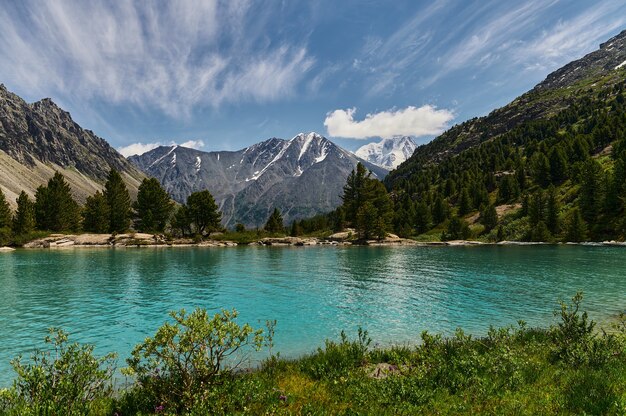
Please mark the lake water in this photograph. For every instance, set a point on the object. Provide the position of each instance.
(114, 298)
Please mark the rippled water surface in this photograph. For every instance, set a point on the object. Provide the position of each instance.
(116, 297)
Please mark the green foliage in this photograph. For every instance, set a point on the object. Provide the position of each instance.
(64, 379)
(591, 189)
(55, 208)
(24, 218)
(118, 200)
(366, 204)
(182, 221)
(457, 229)
(489, 217)
(275, 223)
(5, 212)
(203, 212)
(96, 214)
(576, 227)
(337, 359)
(153, 206)
(179, 366)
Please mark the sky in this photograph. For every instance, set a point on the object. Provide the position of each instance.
(222, 75)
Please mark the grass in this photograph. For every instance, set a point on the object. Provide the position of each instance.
(567, 369)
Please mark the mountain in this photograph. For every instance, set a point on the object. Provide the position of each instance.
(301, 177)
(388, 153)
(557, 92)
(40, 138)
(553, 162)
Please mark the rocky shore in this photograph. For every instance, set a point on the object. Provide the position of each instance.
(338, 239)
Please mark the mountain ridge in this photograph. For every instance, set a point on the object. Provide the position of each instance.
(302, 176)
(40, 138)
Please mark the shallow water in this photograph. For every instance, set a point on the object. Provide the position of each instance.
(114, 298)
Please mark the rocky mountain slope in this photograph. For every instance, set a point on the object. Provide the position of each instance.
(388, 153)
(302, 177)
(40, 138)
(560, 89)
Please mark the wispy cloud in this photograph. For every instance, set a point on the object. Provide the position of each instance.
(172, 56)
(411, 121)
(141, 148)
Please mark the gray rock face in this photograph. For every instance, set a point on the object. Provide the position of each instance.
(301, 177)
(41, 137)
(610, 56)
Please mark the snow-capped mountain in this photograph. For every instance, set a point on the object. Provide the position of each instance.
(388, 153)
(301, 177)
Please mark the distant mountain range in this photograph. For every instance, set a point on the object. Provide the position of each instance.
(40, 138)
(388, 153)
(301, 177)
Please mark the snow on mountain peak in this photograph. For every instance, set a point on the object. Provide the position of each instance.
(388, 153)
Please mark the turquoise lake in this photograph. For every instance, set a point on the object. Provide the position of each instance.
(114, 298)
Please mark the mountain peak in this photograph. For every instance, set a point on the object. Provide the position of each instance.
(388, 153)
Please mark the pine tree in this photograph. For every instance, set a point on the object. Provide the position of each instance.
(457, 229)
(55, 208)
(541, 169)
(275, 223)
(591, 191)
(5, 211)
(353, 192)
(182, 221)
(440, 210)
(552, 210)
(558, 165)
(576, 227)
(540, 232)
(118, 200)
(96, 215)
(366, 222)
(296, 229)
(153, 206)
(537, 208)
(465, 204)
(489, 217)
(203, 212)
(423, 219)
(24, 218)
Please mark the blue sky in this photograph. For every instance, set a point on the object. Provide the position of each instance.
(221, 75)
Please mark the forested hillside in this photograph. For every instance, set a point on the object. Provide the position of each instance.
(549, 166)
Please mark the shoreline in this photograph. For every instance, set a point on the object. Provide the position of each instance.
(135, 240)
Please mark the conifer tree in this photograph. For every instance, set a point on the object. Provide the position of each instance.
(182, 221)
(423, 219)
(275, 222)
(5, 211)
(541, 169)
(552, 210)
(591, 190)
(366, 222)
(153, 206)
(118, 200)
(576, 227)
(558, 165)
(296, 229)
(96, 215)
(55, 208)
(457, 230)
(24, 218)
(203, 212)
(489, 217)
(353, 191)
(465, 204)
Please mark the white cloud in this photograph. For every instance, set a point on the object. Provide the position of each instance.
(411, 121)
(171, 56)
(141, 148)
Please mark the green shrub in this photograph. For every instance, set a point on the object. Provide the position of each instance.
(64, 379)
(178, 367)
(337, 358)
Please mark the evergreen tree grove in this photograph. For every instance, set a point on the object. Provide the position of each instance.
(275, 222)
(55, 208)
